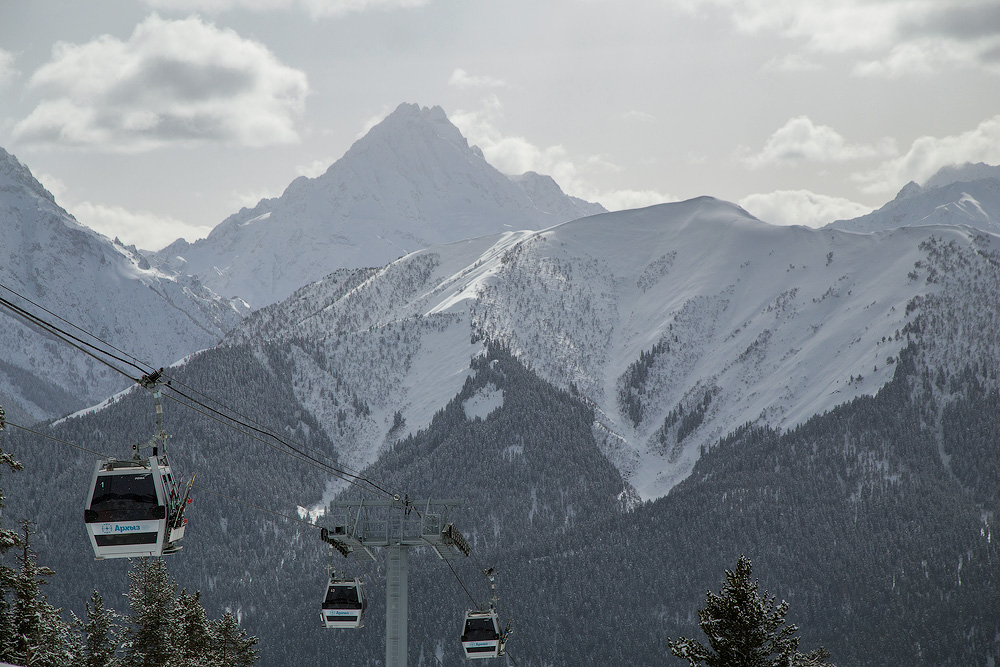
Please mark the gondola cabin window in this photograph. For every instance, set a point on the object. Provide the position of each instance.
(126, 497)
(341, 597)
(479, 629)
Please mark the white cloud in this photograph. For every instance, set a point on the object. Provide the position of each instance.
(791, 62)
(249, 198)
(638, 116)
(924, 57)
(801, 207)
(374, 120)
(462, 79)
(172, 82)
(513, 154)
(800, 140)
(54, 185)
(314, 8)
(895, 37)
(620, 200)
(314, 168)
(510, 154)
(928, 154)
(7, 71)
(146, 230)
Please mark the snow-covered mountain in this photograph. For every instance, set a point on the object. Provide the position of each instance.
(968, 172)
(662, 329)
(102, 286)
(679, 323)
(412, 182)
(957, 195)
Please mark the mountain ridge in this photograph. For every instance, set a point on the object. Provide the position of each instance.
(678, 310)
(958, 195)
(100, 285)
(412, 181)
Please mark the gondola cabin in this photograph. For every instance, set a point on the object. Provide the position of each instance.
(344, 604)
(481, 635)
(133, 509)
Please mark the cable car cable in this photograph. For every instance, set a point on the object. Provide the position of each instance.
(256, 507)
(343, 474)
(80, 329)
(302, 456)
(45, 435)
(69, 338)
(462, 584)
(81, 345)
(306, 460)
(65, 337)
(250, 422)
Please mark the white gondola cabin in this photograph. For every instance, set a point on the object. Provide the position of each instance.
(134, 509)
(481, 635)
(344, 604)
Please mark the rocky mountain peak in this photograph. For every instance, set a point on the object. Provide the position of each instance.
(411, 182)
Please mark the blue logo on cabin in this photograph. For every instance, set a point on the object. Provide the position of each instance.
(109, 528)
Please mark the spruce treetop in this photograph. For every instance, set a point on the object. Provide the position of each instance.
(745, 629)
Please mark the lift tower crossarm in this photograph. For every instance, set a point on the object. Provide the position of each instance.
(395, 525)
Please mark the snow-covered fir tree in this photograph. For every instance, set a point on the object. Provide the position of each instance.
(101, 634)
(745, 629)
(192, 632)
(41, 636)
(8, 539)
(151, 603)
(232, 646)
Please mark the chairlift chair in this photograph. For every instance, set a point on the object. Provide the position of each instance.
(344, 604)
(133, 508)
(481, 635)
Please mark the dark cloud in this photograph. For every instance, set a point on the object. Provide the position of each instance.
(961, 23)
(188, 81)
(193, 127)
(991, 56)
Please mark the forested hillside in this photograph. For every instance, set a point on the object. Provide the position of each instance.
(834, 421)
(884, 553)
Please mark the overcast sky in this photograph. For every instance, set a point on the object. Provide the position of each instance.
(156, 119)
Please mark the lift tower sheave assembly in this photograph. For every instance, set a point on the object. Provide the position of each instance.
(394, 525)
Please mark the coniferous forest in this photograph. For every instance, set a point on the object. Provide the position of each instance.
(883, 552)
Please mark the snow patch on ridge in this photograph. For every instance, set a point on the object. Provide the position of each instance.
(482, 404)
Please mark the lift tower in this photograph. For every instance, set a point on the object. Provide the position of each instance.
(396, 526)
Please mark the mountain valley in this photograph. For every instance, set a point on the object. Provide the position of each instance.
(624, 401)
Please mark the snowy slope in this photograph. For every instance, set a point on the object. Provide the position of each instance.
(545, 194)
(679, 322)
(102, 286)
(968, 195)
(412, 182)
